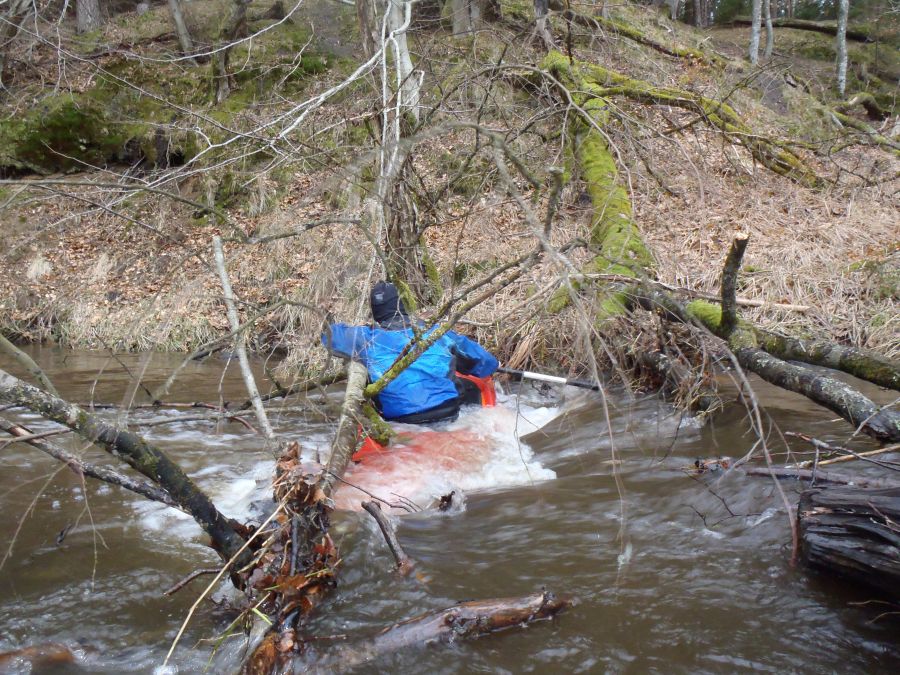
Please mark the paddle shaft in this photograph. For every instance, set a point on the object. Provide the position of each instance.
(528, 375)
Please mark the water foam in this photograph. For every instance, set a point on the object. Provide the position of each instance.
(480, 450)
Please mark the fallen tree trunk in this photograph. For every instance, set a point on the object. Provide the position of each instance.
(853, 533)
(138, 454)
(741, 339)
(82, 468)
(466, 620)
(827, 27)
(821, 477)
(595, 81)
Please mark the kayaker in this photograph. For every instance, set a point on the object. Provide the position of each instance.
(453, 371)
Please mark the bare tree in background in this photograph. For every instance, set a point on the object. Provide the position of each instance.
(841, 46)
(231, 30)
(467, 15)
(770, 31)
(754, 31)
(87, 15)
(11, 21)
(184, 36)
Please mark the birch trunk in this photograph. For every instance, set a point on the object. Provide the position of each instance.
(770, 31)
(843, 10)
(754, 31)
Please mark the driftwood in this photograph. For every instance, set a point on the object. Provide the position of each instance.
(297, 568)
(853, 533)
(405, 564)
(466, 620)
(821, 477)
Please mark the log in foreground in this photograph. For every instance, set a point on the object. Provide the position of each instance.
(466, 620)
(853, 533)
(140, 455)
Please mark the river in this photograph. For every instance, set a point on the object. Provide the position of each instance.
(672, 572)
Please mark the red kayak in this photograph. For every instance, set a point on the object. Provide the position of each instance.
(370, 446)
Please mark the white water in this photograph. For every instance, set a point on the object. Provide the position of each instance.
(481, 450)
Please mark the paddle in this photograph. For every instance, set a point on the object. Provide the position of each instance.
(528, 375)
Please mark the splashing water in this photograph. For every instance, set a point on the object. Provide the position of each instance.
(480, 450)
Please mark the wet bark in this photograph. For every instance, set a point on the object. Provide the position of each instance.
(405, 564)
(82, 468)
(826, 391)
(467, 620)
(853, 533)
(145, 458)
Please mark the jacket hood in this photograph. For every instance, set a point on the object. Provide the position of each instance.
(387, 307)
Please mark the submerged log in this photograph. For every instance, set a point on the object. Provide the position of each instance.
(853, 533)
(466, 620)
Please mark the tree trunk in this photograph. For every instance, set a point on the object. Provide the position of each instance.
(466, 15)
(87, 15)
(770, 31)
(184, 36)
(853, 533)
(841, 45)
(10, 22)
(756, 18)
(231, 30)
(858, 34)
(673, 9)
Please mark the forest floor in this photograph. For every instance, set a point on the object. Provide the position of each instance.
(77, 272)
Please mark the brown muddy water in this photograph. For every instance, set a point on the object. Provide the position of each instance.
(672, 573)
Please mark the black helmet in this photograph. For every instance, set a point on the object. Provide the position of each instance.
(387, 307)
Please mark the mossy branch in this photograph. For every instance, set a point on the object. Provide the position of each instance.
(729, 281)
(614, 234)
(634, 34)
(597, 82)
(138, 454)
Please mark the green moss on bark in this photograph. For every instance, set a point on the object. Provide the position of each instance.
(614, 234)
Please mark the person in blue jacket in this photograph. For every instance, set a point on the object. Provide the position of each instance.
(436, 384)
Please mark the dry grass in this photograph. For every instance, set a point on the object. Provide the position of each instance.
(121, 286)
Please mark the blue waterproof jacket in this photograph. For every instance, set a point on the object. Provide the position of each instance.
(426, 383)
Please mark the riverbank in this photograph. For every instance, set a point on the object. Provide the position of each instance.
(128, 270)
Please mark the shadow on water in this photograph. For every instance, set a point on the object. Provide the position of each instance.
(673, 573)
